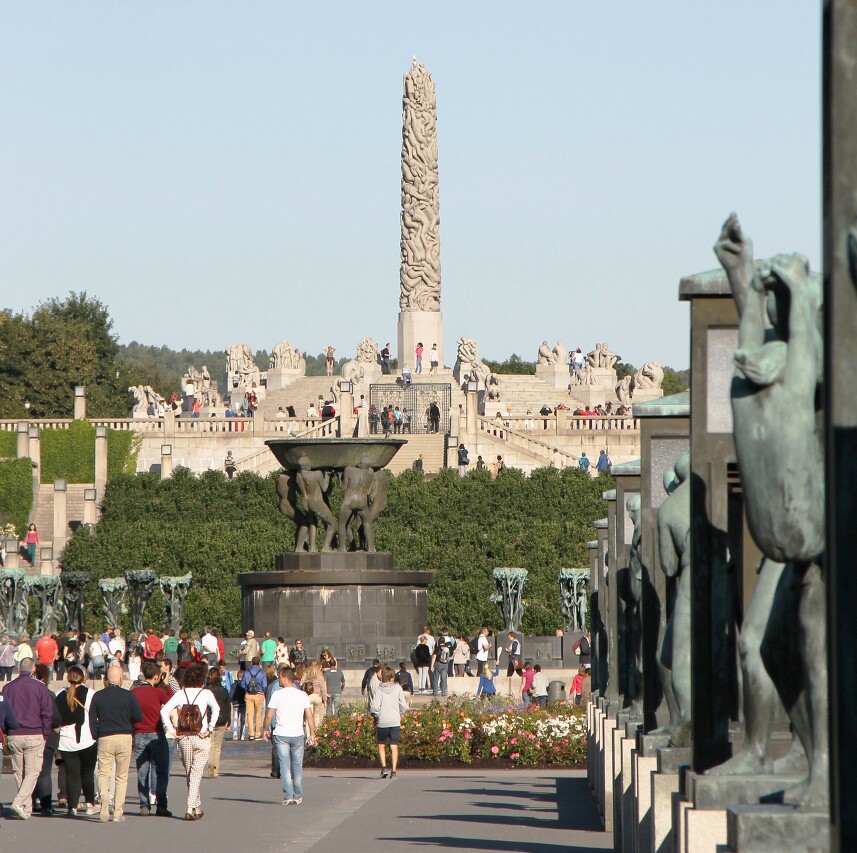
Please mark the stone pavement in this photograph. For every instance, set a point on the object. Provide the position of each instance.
(343, 810)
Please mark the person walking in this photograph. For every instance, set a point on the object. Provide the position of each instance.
(461, 656)
(418, 352)
(290, 711)
(314, 685)
(43, 795)
(422, 661)
(334, 683)
(269, 650)
(539, 688)
(299, 655)
(440, 663)
(31, 540)
(255, 684)
(222, 723)
(433, 359)
(7, 657)
(30, 702)
(463, 460)
(387, 706)
(514, 651)
(8, 721)
(150, 747)
(47, 651)
(112, 716)
(198, 711)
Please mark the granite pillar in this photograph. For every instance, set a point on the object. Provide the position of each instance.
(840, 330)
(60, 516)
(22, 450)
(100, 460)
(79, 402)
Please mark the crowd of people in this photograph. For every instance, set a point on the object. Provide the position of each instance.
(152, 695)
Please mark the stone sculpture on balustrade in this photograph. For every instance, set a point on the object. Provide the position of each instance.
(145, 398)
(48, 590)
(492, 392)
(364, 367)
(573, 584)
(595, 382)
(241, 368)
(141, 585)
(775, 407)
(287, 363)
(113, 592)
(174, 591)
(509, 596)
(465, 359)
(74, 586)
(623, 391)
(647, 382)
(675, 642)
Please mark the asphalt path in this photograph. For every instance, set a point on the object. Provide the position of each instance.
(343, 810)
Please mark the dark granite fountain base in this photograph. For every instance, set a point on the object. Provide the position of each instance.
(355, 604)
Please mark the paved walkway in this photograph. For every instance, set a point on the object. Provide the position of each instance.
(353, 811)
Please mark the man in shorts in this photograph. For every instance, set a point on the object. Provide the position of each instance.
(388, 704)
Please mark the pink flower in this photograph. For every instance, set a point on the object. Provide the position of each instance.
(495, 750)
(337, 732)
(515, 755)
(513, 741)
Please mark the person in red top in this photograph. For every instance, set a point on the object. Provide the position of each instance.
(153, 645)
(150, 743)
(46, 651)
(527, 676)
(221, 648)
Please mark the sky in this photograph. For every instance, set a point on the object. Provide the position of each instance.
(221, 173)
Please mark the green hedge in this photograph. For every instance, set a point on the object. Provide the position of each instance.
(8, 444)
(16, 493)
(69, 454)
(461, 529)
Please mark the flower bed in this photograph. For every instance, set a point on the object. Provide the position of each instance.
(463, 731)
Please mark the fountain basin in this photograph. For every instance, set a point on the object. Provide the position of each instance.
(334, 453)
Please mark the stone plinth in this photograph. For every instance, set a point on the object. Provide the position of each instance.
(556, 375)
(342, 601)
(282, 377)
(645, 395)
(589, 395)
(416, 326)
(776, 829)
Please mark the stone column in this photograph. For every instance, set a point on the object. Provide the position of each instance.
(363, 422)
(471, 404)
(166, 461)
(79, 402)
(23, 439)
(34, 448)
(46, 560)
(90, 506)
(60, 516)
(100, 460)
(346, 409)
(420, 319)
(840, 309)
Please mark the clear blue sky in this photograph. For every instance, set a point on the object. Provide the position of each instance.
(222, 172)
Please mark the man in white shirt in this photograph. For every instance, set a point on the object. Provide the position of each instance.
(482, 647)
(116, 646)
(209, 646)
(290, 710)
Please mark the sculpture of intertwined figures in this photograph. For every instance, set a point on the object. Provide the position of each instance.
(509, 596)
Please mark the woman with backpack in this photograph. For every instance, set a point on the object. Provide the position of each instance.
(198, 712)
(255, 684)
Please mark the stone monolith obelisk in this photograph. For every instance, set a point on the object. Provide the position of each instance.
(420, 319)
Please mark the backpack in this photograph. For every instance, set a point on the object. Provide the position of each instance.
(253, 686)
(190, 717)
(474, 645)
(414, 656)
(443, 653)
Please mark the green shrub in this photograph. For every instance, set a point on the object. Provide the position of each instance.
(16, 493)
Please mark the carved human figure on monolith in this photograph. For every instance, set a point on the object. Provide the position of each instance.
(113, 606)
(141, 585)
(623, 391)
(674, 645)
(356, 484)
(313, 487)
(74, 589)
(572, 587)
(174, 591)
(777, 440)
(632, 612)
(509, 586)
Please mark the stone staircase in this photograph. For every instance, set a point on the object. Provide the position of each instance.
(522, 393)
(299, 394)
(431, 446)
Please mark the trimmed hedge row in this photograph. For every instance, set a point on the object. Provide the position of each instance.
(16, 493)
(459, 528)
(69, 454)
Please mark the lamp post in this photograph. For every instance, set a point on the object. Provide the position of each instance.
(27, 405)
(346, 407)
